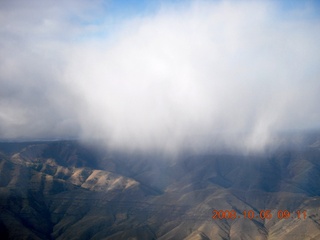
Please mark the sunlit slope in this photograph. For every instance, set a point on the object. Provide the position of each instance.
(65, 190)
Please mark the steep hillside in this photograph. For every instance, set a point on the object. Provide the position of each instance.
(66, 190)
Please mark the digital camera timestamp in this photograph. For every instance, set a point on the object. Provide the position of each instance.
(263, 214)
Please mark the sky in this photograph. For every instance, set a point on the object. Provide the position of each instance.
(159, 75)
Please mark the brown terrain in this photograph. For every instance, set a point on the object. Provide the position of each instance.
(69, 190)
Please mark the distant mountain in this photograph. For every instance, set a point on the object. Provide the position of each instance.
(69, 190)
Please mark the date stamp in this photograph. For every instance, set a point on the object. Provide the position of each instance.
(262, 214)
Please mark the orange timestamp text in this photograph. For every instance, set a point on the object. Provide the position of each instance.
(262, 214)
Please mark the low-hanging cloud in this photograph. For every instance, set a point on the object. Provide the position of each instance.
(187, 76)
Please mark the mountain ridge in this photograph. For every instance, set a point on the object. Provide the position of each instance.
(67, 190)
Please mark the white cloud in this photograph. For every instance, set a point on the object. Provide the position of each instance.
(220, 72)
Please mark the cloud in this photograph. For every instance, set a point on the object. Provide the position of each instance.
(196, 75)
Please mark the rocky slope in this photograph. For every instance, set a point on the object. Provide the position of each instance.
(67, 190)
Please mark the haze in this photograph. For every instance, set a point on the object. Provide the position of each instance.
(166, 76)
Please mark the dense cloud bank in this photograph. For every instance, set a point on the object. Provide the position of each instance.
(187, 75)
